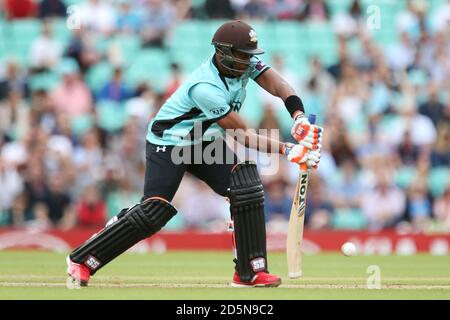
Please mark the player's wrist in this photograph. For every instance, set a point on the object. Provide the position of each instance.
(286, 147)
(294, 104)
(298, 115)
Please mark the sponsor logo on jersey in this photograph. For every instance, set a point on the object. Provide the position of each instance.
(218, 111)
(260, 65)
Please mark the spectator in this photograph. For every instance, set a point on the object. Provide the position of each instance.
(14, 116)
(52, 8)
(418, 205)
(348, 188)
(432, 108)
(340, 145)
(115, 90)
(350, 95)
(142, 106)
(41, 220)
(11, 184)
(318, 208)
(130, 150)
(219, 9)
(253, 9)
(45, 52)
(14, 81)
(82, 49)
(71, 96)
(356, 10)
(346, 198)
(440, 155)
(128, 21)
(200, 216)
(315, 10)
(36, 187)
(88, 159)
(91, 210)
(278, 203)
(19, 9)
(383, 206)
(158, 20)
(283, 9)
(410, 120)
(97, 16)
(441, 210)
(16, 215)
(408, 151)
(401, 55)
(43, 113)
(121, 193)
(176, 78)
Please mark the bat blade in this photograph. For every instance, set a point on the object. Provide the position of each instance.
(295, 228)
(296, 222)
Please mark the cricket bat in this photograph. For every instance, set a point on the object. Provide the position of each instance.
(296, 221)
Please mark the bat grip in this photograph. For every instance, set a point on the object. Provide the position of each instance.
(312, 119)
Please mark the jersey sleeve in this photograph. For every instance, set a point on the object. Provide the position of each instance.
(210, 99)
(258, 68)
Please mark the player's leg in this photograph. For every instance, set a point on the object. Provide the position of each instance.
(240, 182)
(133, 224)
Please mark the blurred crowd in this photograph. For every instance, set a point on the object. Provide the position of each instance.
(72, 154)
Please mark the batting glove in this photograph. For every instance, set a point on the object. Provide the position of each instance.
(307, 134)
(301, 155)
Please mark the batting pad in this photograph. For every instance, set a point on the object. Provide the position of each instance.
(140, 222)
(247, 210)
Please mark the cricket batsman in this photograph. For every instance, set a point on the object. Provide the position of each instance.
(194, 117)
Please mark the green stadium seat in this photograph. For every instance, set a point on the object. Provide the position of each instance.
(73, 2)
(129, 46)
(24, 31)
(111, 116)
(44, 81)
(151, 66)
(98, 75)
(339, 6)
(348, 219)
(61, 32)
(82, 124)
(405, 176)
(252, 110)
(323, 42)
(438, 180)
(188, 34)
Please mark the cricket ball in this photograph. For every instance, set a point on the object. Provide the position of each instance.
(348, 249)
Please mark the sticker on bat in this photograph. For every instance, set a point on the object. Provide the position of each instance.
(302, 193)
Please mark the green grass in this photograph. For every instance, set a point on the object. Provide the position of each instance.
(206, 275)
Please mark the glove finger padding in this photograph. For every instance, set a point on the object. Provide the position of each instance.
(307, 131)
(298, 154)
(313, 158)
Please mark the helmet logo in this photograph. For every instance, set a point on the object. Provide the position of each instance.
(252, 35)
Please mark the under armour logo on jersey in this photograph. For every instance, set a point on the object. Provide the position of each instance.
(163, 149)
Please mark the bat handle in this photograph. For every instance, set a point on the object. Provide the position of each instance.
(312, 119)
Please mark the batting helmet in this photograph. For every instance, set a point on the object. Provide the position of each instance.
(232, 37)
(237, 35)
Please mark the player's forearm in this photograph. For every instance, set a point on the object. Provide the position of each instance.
(258, 142)
(276, 85)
